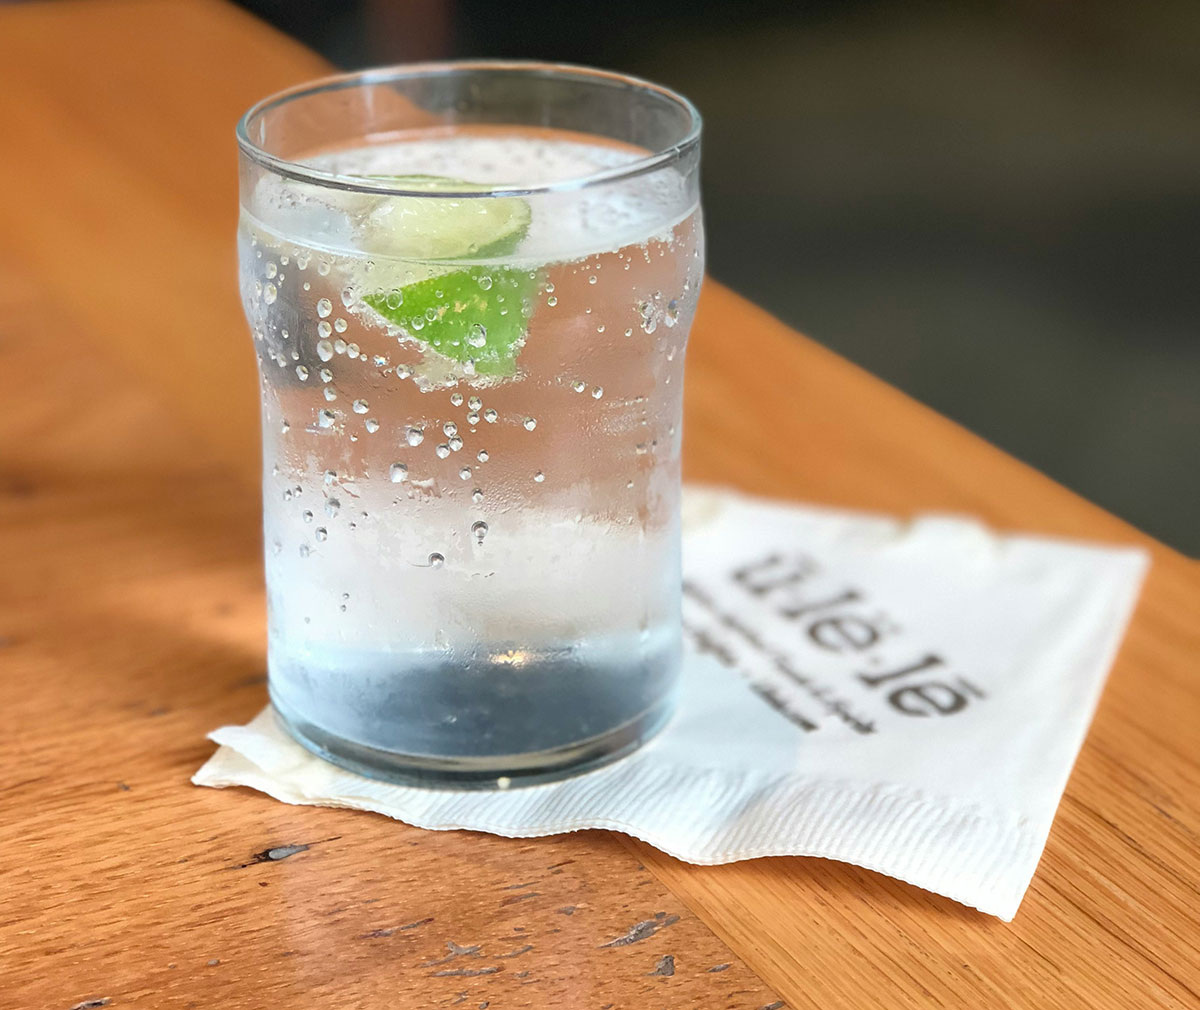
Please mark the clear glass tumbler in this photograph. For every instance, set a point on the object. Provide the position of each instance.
(470, 287)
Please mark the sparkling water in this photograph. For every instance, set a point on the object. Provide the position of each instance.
(472, 551)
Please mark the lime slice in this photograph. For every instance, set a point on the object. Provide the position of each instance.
(441, 227)
(478, 315)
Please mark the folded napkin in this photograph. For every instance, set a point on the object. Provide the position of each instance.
(905, 696)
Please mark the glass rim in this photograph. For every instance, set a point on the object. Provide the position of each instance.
(301, 172)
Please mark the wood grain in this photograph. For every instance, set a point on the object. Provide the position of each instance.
(131, 622)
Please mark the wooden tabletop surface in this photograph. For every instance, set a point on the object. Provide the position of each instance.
(132, 622)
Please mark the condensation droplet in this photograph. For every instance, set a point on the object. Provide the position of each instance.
(465, 473)
(485, 282)
(482, 455)
(332, 507)
(325, 418)
(352, 350)
(340, 324)
(301, 373)
(480, 529)
(552, 301)
(477, 335)
(371, 424)
(329, 393)
(529, 423)
(339, 346)
(307, 515)
(579, 385)
(379, 361)
(324, 307)
(490, 415)
(539, 477)
(322, 534)
(305, 550)
(474, 403)
(397, 473)
(329, 477)
(455, 443)
(361, 406)
(477, 496)
(415, 436)
(442, 451)
(403, 372)
(450, 428)
(456, 399)
(592, 279)
(270, 293)
(324, 351)
(472, 418)
(272, 270)
(597, 392)
(347, 298)
(436, 560)
(326, 374)
(672, 314)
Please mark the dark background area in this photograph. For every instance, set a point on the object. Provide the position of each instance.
(994, 206)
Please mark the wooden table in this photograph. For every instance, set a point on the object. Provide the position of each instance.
(131, 623)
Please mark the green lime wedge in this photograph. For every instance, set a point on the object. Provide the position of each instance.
(478, 314)
(442, 227)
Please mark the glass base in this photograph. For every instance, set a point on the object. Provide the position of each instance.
(501, 771)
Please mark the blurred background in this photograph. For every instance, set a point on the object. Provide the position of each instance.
(994, 206)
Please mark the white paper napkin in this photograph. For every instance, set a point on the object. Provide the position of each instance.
(908, 697)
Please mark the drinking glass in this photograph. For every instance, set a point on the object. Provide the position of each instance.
(470, 287)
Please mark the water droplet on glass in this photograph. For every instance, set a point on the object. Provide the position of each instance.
(482, 455)
(329, 393)
(323, 267)
(477, 496)
(629, 484)
(552, 301)
(272, 270)
(579, 385)
(436, 560)
(672, 314)
(480, 530)
(539, 477)
(371, 424)
(322, 534)
(305, 550)
(284, 427)
(597, 392)
(276, 547)
(395, 298)
(325, 418)
(477, 335)
(529, 423)
(403, 372)
(352, 350)
(465, 473)
(339, 346)
(340, 324)
(474, 403)
(415, 436)
(442, 451)
(347, 298)
(325, 374)
(485, 282)
(592, 279)
(398, 472)
(456, 399)
(329, 477)
(361, 406)
(490, 415)
(270, 293)
(307, 515)
(629, 332)
(332, 507)
(324, 350)
(472, 418)
(301, 373)
(324, 307)
(455, 443)
(450, 428)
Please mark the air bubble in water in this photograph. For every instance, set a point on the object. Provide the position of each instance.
(325, 418)
(361, 406)
(436, 560)
(480, 530)
(552, 301)
(477, 335)
(490, 415)
(398, 472)
(324, 351)
(324, 307)
(442, 451)
(530, 423)
(485, 282)
(592, 279)
(415, 436)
